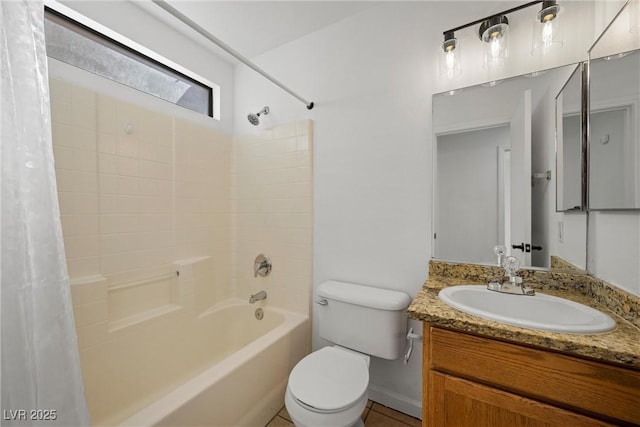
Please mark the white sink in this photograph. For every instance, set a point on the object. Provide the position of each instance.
(540, 311)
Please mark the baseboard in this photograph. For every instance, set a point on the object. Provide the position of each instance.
(395, 401)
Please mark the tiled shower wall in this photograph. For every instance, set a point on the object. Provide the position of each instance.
(272, 213)
(139, 190)
(143, 194)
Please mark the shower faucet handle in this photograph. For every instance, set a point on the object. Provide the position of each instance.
(261, 266)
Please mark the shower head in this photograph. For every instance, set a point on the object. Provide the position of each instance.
(254, 118)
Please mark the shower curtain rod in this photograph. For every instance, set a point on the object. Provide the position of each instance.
(246, 61)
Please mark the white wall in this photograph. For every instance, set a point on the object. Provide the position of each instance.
(614, 248)
(369, 78)
(372, 77)
(129, 20)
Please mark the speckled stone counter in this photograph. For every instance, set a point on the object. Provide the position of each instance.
(621, 346)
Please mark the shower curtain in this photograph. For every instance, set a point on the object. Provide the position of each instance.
(41, 379)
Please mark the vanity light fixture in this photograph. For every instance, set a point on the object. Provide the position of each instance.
(494, 31)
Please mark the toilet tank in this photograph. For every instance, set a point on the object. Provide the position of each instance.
(362, 318)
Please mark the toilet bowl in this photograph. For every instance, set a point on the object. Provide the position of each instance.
(328, 388)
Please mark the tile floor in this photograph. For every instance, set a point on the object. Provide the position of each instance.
(374, 415)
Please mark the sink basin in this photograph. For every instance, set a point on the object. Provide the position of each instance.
(544, 312)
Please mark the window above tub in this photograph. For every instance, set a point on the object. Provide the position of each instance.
(78, 41)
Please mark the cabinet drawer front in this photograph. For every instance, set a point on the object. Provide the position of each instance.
(462, 403)
(577, 384)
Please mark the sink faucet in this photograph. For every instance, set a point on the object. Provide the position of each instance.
(514, 284)
(257, 297)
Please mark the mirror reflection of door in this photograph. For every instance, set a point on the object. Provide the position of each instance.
(468, 217)
(520, 132)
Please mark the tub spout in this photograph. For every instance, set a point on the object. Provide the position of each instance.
(257, 297)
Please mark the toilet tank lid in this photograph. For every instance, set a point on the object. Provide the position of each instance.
(367, 296)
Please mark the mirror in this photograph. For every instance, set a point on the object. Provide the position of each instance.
(614, 143)
(569, 144)
(493, 151)
(480, 196)
(614, 223)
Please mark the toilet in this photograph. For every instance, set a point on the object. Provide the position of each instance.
(329, 386)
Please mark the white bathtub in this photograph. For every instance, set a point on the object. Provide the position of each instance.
(223, 368)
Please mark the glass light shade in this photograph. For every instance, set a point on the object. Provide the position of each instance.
(548, 31)
(450, 59)
(496, 49)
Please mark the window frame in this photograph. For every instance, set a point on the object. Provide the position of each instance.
(98, 33)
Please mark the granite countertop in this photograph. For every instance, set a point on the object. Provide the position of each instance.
(621, 346)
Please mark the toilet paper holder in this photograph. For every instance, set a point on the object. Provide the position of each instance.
(411, 337)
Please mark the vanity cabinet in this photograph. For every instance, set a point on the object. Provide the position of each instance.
(469, 380)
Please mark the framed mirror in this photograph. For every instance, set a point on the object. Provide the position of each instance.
(493, 151)
(570, 144)
(614, 139)
(614, 219)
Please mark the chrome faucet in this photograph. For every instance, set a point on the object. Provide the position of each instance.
(514, 284)
(257, 297)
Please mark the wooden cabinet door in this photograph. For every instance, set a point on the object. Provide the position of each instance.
(455, 402)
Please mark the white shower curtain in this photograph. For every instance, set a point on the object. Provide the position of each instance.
(41, 379)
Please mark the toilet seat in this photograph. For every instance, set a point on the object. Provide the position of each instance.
(329, 380)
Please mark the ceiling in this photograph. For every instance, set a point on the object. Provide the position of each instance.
(254, 27)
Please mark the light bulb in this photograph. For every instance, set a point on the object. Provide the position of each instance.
(495, 47)
(547, 34)
(450, 59)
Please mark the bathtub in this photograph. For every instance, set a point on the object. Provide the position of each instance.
(221, 368)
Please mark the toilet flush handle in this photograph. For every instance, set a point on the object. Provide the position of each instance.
(322, 302)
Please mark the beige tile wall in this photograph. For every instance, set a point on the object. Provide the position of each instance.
(272, 213)
(140, 190)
